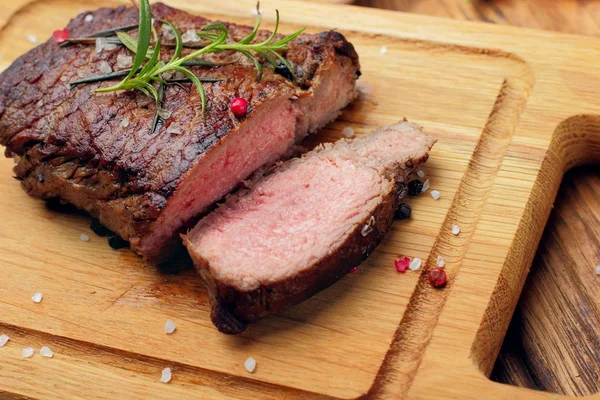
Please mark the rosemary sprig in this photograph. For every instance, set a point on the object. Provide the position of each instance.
(216, 35)
(123, 73)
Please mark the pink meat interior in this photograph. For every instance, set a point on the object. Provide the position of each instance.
(261, 140)
(288, 221)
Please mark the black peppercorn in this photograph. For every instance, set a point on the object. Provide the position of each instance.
(284, 71)
(415, 187)
(403, 212)
(116, 242)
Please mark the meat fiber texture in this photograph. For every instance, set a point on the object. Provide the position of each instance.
(98, 151)
(304, 226)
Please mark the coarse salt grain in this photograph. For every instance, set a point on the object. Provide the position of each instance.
(84, 238)
(441, 262)
(421, 174)
(100, 43)
(89, 18)
(368, 228)
(3, 340)
(37, 298)
(383, 50)
(28, 352)
(348, 132)
(597, 269)
(250, 364)
(167, 32)
(164, 114)
(46, 352)
(174, 129)
(110, 46)
(415, 264)
(435, 194)
(124, 61)
(32, 38)
(455, 229)
(169, 327)
(255, 11)
(426, 186)
(124, 123)
(104, 67)
(189, 36)
(165, 376)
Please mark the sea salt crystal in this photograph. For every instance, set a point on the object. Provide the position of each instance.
(124, 123)
(164, 114)
(250, 364)
(104, 67)
(455, 229)
(441, 262)
(167, 75)
(383, 50)
(435, 194)
(597, 269)
(46, 352)
(100, 43)
(89, 18)
(178, 75)
(37, 298)
(368, 228)
(415, 264)
(110, 46)
(167, 32)
(3, 340)
(28, 352)
(426, 186)
(421, 174)
(32, 38)
(169, 327)
(84, 238)
(348, 132)
(175, 129)
(189, 36)
(124, 61)
(165, 376)
(255, 11)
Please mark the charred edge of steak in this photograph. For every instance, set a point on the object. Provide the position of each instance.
(232, 309)
(109, 176)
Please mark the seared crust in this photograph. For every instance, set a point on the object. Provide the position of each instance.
(233, 309)
(74, 144)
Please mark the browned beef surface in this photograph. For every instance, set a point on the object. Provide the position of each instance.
(74, 144)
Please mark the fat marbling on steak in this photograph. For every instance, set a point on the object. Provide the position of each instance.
(303, 227)
(98, 151)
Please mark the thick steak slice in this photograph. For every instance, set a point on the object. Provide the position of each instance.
(99, 153)
(303, 227)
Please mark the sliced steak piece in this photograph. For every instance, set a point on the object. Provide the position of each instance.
(303, 227)
(99, 153)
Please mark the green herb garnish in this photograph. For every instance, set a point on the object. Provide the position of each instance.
(143, 76)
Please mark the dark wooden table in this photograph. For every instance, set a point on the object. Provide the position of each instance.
(553, 343)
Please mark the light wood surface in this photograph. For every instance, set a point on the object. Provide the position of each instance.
(512, 112)
(539, 352)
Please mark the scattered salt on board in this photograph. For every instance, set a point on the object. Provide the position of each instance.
(455, 229)
(37, 298)
(165, 376)
(250, 364)
(3, 340)
(28, 352)
(169, 327)
(46, 352)
(597, 269)
(415, 264)
(441, 262)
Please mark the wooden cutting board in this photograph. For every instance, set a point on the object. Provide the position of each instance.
(512, 108)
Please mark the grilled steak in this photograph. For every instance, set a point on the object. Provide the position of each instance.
(99, 152)
(300, 229)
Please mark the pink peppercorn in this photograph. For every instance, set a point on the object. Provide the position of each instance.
(60, 35)
(437, 277)
(402, 264)
(239, 107)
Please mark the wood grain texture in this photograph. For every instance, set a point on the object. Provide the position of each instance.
(512, 114)
(558, 354)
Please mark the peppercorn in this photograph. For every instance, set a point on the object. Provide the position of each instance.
(116, 242)
(437, 277)
(284, 71)
(98, 228)
(403, 212)
(239, 107)
(415, 187)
